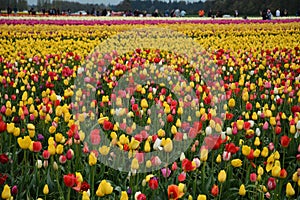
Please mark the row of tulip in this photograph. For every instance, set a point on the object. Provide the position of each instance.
(123, 20)
(51, 150)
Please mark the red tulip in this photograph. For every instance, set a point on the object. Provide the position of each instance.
(271, 183)
(153, 183)
(135, 107)
(250, 156)
(62, 159)
(69, 180)
(2, 126)
(285, 141)
(283, 173)
(215, 190)
(4, 158)
(107, 125)
(84, 186)
(46, 154)
(69, 154)
(141, 197)
(181, 177)
(253, 177)
(230, 147)
(277, 130)
(37, 146)
(174, 166)
(170, 118)
(3, 178)
(248, 106)
(187, 165)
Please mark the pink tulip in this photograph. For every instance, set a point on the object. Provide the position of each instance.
(265, 126)
(166, 172)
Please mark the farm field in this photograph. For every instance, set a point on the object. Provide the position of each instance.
(149, 109)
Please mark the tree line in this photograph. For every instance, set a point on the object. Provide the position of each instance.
(244, 8)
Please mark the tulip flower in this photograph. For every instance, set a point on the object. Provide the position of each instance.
(271, 183)
(85, 196)
(124, 195)
(236, 163)
(222, 176)
(153, 183)
(6, 194)
(46, 189)
(92, 159)
(253, 177)
(214, 190)
(104, 188)
(289, 190)
(174, 193)
(25, 142)
(242, 190)
(201, 197)
(285, 140)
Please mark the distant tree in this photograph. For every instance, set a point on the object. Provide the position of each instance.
(125, 5)
(22, 5)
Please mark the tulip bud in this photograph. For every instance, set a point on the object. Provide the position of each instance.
(69, 154)
(55, 166)
(45, 163)
(242, 190)
(222, 176)
(14, 190)
(46, 190)
(39, 164)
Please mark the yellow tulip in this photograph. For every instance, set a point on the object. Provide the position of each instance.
(46, 189)
(79, 177)
(260, 170)
(240, 124)
(16, 132)
(289, 190)
(295, 177)
(276, 171)
(124, 195)
(168, 146)
(104, 188)
(59, 149)
(92, 159)
(201, 197)
(236, 163)
(222, 176)
(219, 159)
(24, 143)
(231, 103)
(85, 196)
(265, 152)
(256, 153)
(10, 127)
(257, 141)
(6, 192)
(144, 103)
(242, 190)
(246, 150)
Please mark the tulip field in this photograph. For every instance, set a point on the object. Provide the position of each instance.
(116, 108)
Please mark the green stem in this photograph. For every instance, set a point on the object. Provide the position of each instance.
(194, 185)
(92, 179)
(220, 191)
(203, 175)
(58, 186)
(77, 157)
(69, 193)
